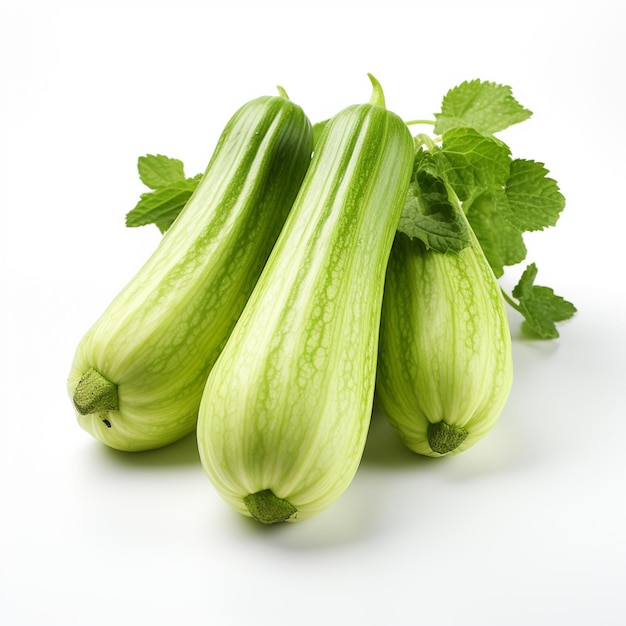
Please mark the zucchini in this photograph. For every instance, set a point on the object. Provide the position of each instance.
(286, 409)
(139, 371)
(445, 364)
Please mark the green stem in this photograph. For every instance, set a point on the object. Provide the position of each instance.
(510, 301)
(415, 122)
(378, 96)
(422, 139)
(282, 92)
(444, 438)
(95, 394)
(266, 508)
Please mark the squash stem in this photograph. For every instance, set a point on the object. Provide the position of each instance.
(282, 92)
(510, 301)
(444, 438)
(416, 122)
(421, 139)
(95, 394)
(266, 508)
(378, 96)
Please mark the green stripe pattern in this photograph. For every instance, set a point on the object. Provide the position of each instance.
(286, 409)
(445, 365)
(159, 338)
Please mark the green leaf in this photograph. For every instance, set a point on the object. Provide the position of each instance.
(534, 201)
(473, 163)
(502, 243)
(478, 168)
(162, 206)
(156, 170)
(171, 191)
(540, 306)
(485, 106)
(429, 213)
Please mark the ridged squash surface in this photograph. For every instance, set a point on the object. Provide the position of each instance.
(445, 364)
(286, 409)
(157, 341)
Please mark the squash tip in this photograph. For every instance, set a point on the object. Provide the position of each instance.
(378, 96)
(95, 394)
(267, 508)
(444, 438)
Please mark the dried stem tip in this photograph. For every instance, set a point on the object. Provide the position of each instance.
(266, 508)
(95, 394)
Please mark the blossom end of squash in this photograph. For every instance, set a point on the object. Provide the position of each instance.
(95, 394)
(267, 508)
(444, 438)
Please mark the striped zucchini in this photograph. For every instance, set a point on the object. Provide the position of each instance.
(286, 409)
(445, 366)
(138, 373)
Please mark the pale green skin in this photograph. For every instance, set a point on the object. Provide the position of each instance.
(288, 404)
(445, 345)
(159, 338)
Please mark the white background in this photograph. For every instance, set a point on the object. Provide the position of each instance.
(529, 526)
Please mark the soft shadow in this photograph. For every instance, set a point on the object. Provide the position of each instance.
(181, 453)
(385, 448)
(359, 514)
(344, 523)
(544, 347)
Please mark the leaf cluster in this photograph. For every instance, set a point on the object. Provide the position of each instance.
(464, 177)
(171, 191)
(466, 167)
